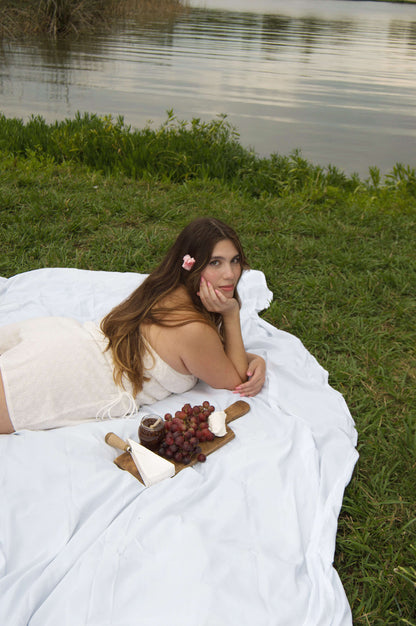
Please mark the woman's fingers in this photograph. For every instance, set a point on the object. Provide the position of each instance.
(212, 299)
(207, 293)
(250, 388)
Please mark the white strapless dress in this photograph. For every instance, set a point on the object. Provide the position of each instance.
(56, 372)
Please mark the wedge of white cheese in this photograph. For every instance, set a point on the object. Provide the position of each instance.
(216, 423)
(152, 467)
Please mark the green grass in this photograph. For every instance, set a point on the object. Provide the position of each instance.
(338, 253)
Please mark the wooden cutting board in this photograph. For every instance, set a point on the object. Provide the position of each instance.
(237, 409)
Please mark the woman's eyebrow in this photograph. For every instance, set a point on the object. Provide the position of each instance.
(222, 258)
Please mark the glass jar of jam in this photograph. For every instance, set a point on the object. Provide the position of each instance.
(151, 431)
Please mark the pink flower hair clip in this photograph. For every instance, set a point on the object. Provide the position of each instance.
(188, 262)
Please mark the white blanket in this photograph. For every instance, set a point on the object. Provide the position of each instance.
(245, 539)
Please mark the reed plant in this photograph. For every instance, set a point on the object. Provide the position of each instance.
(338, 252)
(60, 18)
(52, 17)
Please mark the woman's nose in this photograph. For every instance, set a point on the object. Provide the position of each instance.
(228, 270)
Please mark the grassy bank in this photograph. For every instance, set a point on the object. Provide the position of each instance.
(338, 253)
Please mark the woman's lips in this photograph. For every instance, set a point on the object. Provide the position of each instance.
(227, 288)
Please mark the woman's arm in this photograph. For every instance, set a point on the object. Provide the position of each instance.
(226, 366)
(256, 375)
(217, 302)
(202, 354)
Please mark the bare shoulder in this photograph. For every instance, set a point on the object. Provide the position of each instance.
(197, 330)
(202, 354)
(179, 344)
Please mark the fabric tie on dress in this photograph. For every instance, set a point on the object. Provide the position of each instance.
(105, 411)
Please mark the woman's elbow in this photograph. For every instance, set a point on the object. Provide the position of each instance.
(229, 385)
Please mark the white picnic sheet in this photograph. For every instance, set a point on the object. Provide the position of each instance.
(245, 539)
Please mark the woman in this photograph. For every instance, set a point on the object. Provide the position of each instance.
(182, 323)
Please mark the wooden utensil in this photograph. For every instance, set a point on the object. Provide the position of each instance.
(125, 461)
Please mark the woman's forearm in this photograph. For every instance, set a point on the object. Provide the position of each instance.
(233, 343)
(256, 374)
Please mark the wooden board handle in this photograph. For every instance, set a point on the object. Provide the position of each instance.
(116, 442)
(235, 410)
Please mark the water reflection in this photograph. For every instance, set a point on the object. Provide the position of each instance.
(405, 32)
(339, 84)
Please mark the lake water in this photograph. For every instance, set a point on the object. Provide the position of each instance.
(335, 79)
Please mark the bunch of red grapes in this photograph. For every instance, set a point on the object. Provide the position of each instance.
(185, 431)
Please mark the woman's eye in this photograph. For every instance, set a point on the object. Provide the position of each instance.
(217, 262)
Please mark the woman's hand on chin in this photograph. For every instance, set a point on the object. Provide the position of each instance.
(215, 301)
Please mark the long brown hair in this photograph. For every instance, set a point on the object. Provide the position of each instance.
(148, 303)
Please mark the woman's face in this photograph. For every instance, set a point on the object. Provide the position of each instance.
(224, 268)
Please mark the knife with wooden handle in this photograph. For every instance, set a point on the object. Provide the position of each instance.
(151, 467)
(117, 442)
